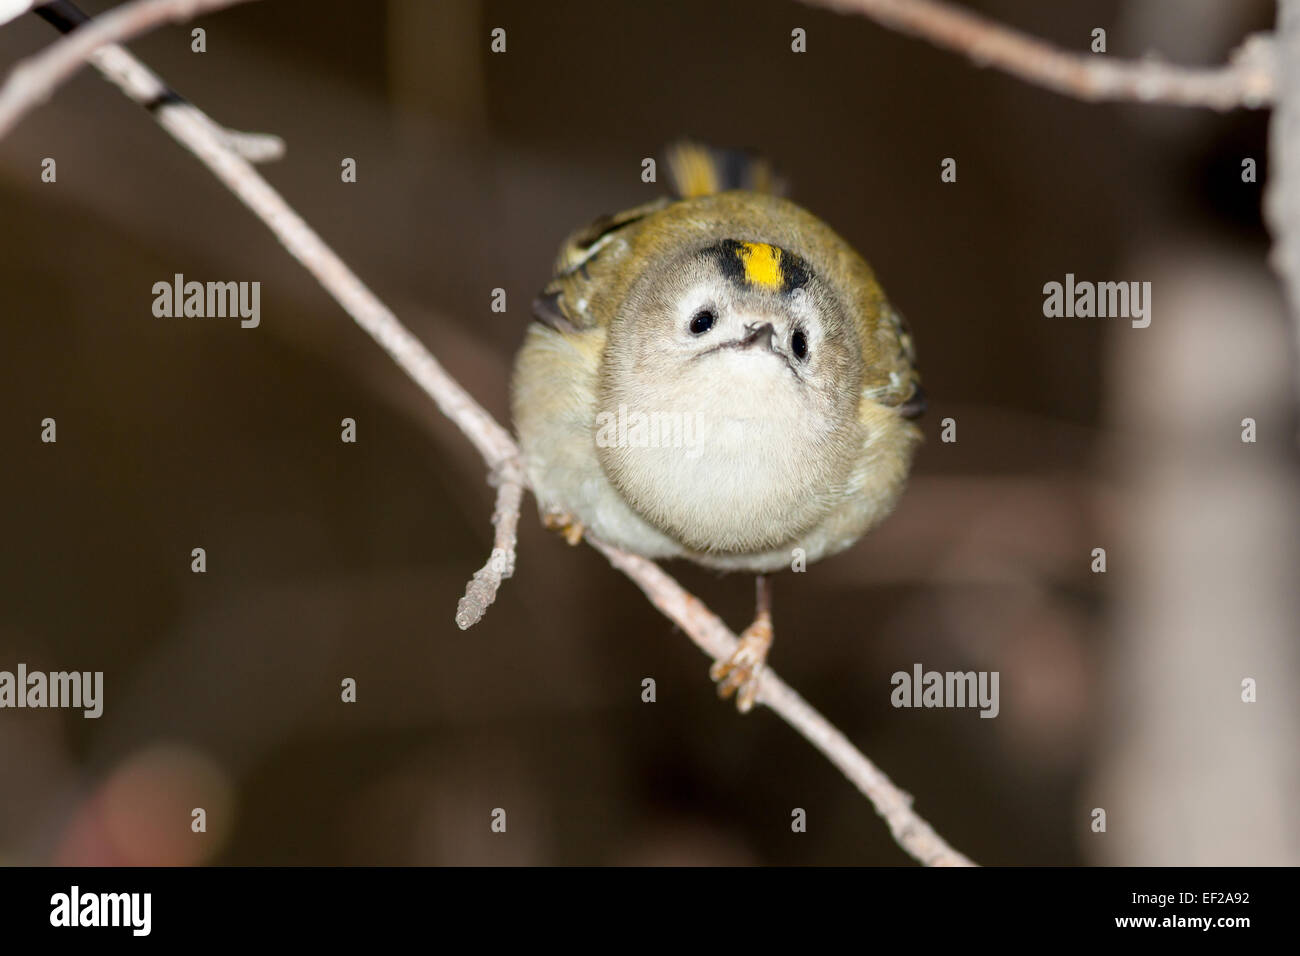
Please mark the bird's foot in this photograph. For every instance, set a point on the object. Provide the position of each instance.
(744, 668)
(569, 527)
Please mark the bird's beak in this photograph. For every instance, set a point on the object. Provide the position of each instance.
(758, 334)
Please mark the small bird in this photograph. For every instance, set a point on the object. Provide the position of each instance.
(717, 377)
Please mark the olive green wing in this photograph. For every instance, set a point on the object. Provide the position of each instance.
(889, 376)
(589, 258)
(898, 350)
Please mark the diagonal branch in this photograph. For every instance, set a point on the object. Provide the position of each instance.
(32, 81)
(1248, 80)
(206, 141)
(713, 637)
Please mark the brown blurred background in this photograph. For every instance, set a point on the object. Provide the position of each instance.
(1118, 690)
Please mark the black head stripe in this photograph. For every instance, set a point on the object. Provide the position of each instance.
(794, 271)
(760, 265)
(730, 258)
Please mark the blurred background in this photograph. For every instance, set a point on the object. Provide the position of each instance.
(1119, 691)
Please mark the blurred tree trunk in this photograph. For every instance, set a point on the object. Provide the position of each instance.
(1203, 560)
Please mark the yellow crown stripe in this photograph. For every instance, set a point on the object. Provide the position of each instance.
(762, 264)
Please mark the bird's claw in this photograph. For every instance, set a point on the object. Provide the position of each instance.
(569, 527)
(743, 670)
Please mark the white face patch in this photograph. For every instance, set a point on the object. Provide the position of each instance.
(713, 296)
(720, 421)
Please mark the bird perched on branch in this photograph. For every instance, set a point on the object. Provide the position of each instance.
(717, 377)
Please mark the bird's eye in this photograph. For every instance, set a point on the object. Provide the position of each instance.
(702, 321)
(799, 344)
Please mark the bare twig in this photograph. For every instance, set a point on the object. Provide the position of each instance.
(137, 81)
(482, 590)
(33, 80)
(206, 141)
(212, 144)
(1248, 79)
(713, 637)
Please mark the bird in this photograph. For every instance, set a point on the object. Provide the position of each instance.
(717, 376)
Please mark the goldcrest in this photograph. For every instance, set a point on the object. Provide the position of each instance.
(717, 377)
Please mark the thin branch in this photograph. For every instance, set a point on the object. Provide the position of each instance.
(1248, 80)
(205, 140)
(33, 80)
(482, 589)
(211, 144)
(139, 82)
(713, 637)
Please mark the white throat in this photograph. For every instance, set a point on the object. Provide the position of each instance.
(728, 456)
